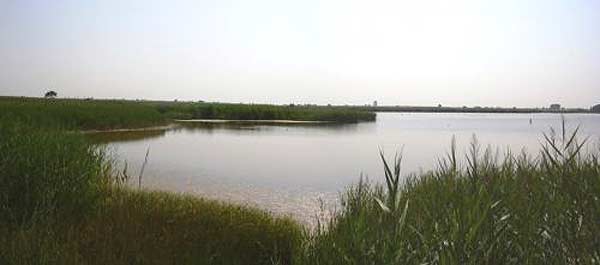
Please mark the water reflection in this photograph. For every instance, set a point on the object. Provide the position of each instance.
(211, 127)
(125, 136)
(286, 169)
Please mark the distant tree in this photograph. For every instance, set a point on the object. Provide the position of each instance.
(596, 109)
(51, 94)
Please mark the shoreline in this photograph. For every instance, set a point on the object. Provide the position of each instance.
(426, 109)
(177, 123)
(252, 121)
(151, 128)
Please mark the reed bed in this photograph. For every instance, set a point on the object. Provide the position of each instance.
(514, 209)
(81, 114)
(273, 112)
(62, 202)
(123, 114)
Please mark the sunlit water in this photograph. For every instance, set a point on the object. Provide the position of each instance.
(292, 170)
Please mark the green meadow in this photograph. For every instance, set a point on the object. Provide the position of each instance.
(63, 201)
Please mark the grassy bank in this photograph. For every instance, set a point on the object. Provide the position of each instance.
(133, 227)
(514, 209)
(119, 114)
(62, 203)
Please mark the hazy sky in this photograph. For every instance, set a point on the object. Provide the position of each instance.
(420, 52)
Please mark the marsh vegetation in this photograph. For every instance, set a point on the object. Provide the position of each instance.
(62, 201)
(119, 114)
(511, 209)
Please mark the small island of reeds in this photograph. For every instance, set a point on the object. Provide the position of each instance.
(118, 114)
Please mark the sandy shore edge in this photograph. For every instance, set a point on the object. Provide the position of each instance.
(252, 121)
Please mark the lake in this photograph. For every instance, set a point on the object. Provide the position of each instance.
(299, 169)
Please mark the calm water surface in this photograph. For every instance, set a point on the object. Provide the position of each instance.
(292, 169)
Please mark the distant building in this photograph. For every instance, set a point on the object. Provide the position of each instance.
(555, 107)
(596, 109)
(375, 103)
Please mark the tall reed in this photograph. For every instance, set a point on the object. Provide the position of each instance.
(511, 209)
(46, 172)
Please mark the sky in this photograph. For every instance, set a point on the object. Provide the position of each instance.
(421, 52)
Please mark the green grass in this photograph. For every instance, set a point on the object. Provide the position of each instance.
(272, 112)
(81, 114)
(62, 203)
(514, 209)
(46, 172)
(133, 227)
(123, 114)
